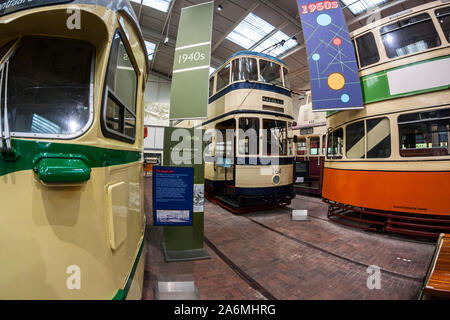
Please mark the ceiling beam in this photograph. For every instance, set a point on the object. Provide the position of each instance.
(270, 34)
(282, 13)
(371, 12)
(238, 21)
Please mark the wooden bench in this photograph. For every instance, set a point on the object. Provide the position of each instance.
(438, 280)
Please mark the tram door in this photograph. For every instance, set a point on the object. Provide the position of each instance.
(225, 169)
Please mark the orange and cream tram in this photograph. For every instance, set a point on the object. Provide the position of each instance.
(388, 166)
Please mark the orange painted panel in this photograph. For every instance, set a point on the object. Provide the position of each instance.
(413, 192)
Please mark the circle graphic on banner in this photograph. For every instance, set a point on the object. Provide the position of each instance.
(336, 81)
(345, 98)
(324, 20)
(316, 57)
(337, 41)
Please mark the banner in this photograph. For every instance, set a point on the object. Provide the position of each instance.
(190, 81)
(334, 78)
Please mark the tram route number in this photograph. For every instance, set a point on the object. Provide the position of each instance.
(193, 57)
(319, 6)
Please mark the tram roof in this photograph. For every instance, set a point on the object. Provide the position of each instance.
(251, 53)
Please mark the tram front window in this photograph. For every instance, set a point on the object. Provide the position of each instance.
(270, 72)
(410, 35)
(335, 144)
(287, 83)
(275, 137)
(245, 69)
(425, 134)
(48, 87)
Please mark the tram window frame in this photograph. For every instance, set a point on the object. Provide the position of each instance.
(302, 147)
(219, 84)
(275, 81)
(364, 59)
(317, 152)
(244, 141)
(282, 149)
(286, 81)
(324, 145)
(248, 75)
(112, 96)
(415, 122)
(355, 134)
(376, 152)
(211, 85)
(330, 144)
(15, 48)
(5, 47)
(446, 18)
(405, 26)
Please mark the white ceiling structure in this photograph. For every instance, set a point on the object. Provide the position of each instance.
(255, 25)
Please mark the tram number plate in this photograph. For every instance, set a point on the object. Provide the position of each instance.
(273, 100)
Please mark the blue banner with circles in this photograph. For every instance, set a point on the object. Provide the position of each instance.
(334, 78)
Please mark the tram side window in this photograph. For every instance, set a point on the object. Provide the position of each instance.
(410, 35)
(301, 147)
(223, 78)
(287, 83)
(244, 69)
(270, 72)
(367, 50)
(49, 85)
(443, 16)
(425, 134)
(314, 146)
(211, 86)
(378, 138)
(355, 140)
(120, 113)
(274, 137)
(335, 144)
(249, 136)
(324, 144)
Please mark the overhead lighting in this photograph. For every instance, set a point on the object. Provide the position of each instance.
(360, 6)
(279, 43)
(219, 7)
(151, 47)
(250, 31)
(161, 5)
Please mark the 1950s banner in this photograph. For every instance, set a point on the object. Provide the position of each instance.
(333, 69)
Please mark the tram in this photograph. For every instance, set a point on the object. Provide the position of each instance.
(71, 176)
(249, 155)
(388, 166)
(310, 136)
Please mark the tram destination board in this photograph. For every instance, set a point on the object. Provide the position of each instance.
(173, 189)
(11, 6)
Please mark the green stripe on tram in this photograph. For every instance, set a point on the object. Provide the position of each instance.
(95, 157)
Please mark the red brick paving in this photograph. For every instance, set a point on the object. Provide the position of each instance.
(291, 260)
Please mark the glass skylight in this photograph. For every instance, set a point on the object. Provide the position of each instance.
(161, 5)
(360, 6)
(211, 70)
(276, 39)
(251, 30)
(150, 49)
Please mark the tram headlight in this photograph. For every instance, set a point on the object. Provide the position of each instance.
(276, 180)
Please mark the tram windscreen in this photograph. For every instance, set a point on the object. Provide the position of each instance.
(410, 35)
(270, 72)
(275, 137)
(245, 69)
(49, 86)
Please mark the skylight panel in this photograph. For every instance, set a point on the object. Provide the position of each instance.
(161, 5)
(251, 30)
(360, 6)
(211, 70)
(277, 38)
(150, 49)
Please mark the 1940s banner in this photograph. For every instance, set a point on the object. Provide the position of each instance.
(335, 83)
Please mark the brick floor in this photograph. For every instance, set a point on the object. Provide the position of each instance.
(291, 260)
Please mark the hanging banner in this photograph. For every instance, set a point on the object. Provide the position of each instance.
(190, 81)
(334, 78)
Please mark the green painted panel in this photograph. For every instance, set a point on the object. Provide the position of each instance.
(54, 170)
(32, 151)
